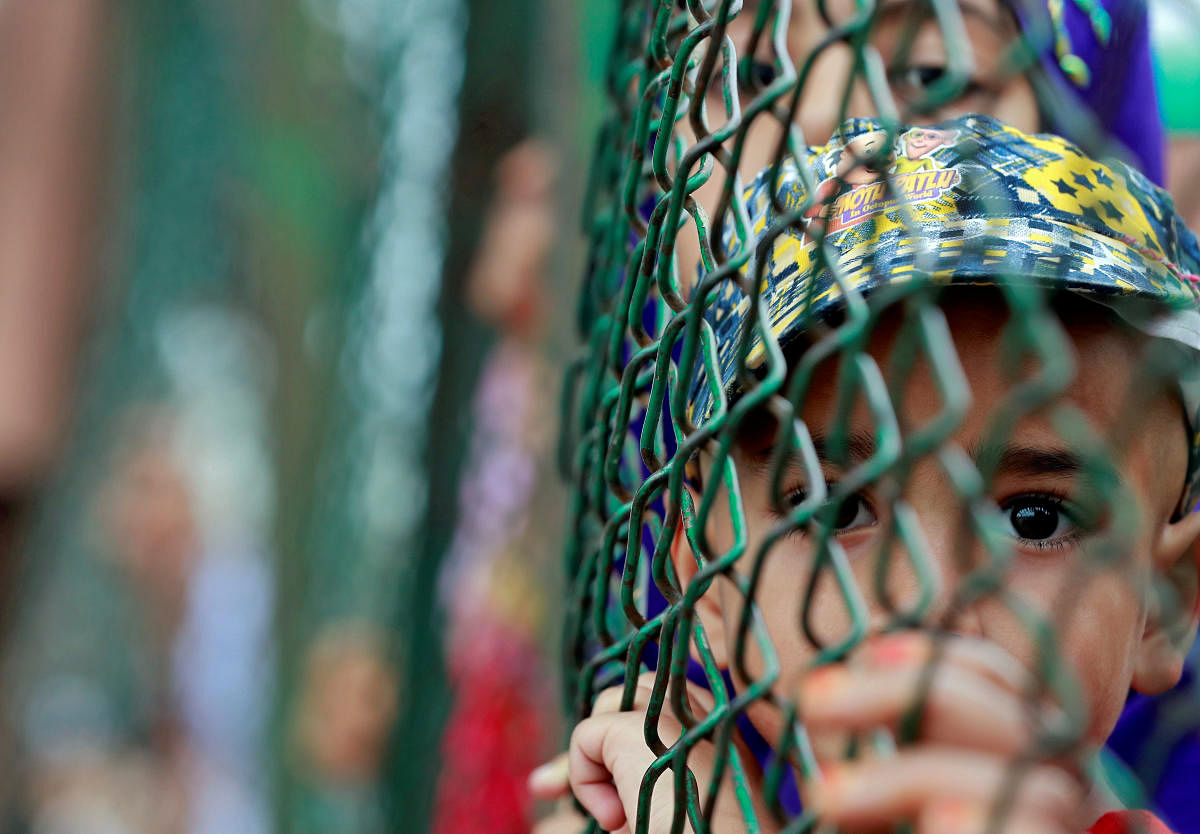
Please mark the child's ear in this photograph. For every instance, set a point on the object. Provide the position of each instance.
(708, 606)
(1169, 634)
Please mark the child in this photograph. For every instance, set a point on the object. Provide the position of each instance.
(1090, 531)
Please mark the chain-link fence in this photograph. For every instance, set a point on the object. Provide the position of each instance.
(848, 403)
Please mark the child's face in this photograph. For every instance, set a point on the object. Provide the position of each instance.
(991, 87)
(1105, 626)
(913, 48)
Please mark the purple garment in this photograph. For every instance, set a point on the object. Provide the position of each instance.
(1120, 92)
(1159, 739)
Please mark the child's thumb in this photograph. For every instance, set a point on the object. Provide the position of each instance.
(549, 781)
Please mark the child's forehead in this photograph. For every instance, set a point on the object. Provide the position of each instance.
(981, 323)
(1106, 358)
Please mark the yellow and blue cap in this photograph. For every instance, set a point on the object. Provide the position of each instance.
(970, 200)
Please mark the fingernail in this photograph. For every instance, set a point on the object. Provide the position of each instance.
(549, 776)
(823, 683)
(953, 816)
(960, 810)
(895, 650)
(827, 791)
(825, 677)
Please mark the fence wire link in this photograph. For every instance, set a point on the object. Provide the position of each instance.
(690, 85)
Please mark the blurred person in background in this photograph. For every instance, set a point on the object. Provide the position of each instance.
(202, 647)
(492, 580)
(348, 702)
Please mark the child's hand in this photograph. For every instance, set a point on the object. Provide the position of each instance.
(976, 724)
(608, 757)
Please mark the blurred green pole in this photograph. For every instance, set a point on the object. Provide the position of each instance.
(496, 111)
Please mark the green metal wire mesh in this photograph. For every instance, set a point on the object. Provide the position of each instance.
(690, 85)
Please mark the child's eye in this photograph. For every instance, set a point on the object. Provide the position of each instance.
(912, 80)
(917, 77)
(1040, 520)
(762, 74)
(854, 513)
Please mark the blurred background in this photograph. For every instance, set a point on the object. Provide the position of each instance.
(286, 298)
(264, 334)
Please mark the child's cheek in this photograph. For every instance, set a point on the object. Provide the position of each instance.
(779, 633)
(1101, 642)
(1095, 618)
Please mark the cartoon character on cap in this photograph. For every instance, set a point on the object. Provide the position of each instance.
(917, 144)
(854, 167)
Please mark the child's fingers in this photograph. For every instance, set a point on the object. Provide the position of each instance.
(917, 648)
(700, 700)
(606, 760)
(880, 791)
(549, 781)
(960, 707)
(976, 696)
(960, 816)
(610, 699)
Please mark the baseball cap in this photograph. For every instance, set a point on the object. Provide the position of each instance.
(970, 200)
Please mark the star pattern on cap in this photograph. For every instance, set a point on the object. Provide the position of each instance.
(1083, 181)
(1112, 211)
(1092, 216)
(1065, 188)
(1102, 177)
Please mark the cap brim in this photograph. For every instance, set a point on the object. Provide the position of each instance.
(980, 252)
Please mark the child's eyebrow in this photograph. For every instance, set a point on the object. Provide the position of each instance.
(1014, 459)
(860, 446)
(1011, 459)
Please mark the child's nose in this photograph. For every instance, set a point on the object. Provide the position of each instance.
(924, 577)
